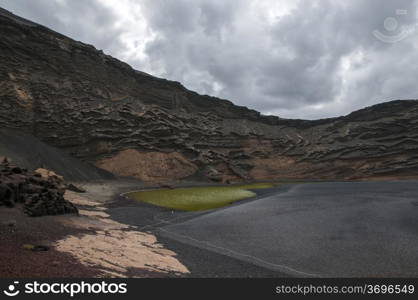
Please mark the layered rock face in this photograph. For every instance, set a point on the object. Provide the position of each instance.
(72, 96)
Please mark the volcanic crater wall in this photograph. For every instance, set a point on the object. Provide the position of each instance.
(99, 109)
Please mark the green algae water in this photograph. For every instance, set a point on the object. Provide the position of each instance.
(198, 198)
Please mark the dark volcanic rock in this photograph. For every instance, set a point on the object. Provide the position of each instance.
(41, 193)
(99, 109)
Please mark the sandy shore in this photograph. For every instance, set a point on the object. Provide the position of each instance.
(112, 237)
(88, 245)
(17, 230)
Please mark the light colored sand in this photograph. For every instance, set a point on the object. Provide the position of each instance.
(114, 247)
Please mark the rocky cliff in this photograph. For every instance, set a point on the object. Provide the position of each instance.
(99, 109)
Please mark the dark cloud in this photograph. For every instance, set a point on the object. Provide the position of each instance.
(320, 58)
(295, 65)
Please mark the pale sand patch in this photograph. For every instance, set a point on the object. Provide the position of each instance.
(77, 200)
(93, 213)
(114, 247)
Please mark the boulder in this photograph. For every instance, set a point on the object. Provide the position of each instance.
(75, 188)
(41, 192)
(47, 174)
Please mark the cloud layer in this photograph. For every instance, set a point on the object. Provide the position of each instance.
(297, 59)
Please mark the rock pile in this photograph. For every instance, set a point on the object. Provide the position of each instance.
(41, 192)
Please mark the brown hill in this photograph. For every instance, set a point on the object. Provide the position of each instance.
(95, 107)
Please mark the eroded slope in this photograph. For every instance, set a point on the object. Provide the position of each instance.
(72, 96)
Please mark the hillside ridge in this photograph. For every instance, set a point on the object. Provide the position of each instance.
(96, 108)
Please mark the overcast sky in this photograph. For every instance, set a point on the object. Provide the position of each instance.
(295, 59)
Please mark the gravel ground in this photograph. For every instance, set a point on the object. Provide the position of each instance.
(18, 262)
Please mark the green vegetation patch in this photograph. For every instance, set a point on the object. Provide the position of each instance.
(198, 198)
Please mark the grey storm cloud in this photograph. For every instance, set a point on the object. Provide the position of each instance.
(304, 59)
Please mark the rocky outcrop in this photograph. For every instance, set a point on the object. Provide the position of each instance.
(98, 109)
(40, 192)
(149, 166)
